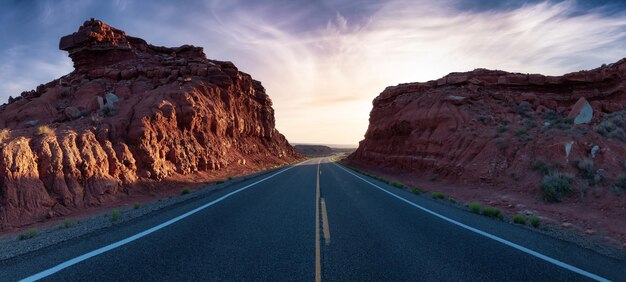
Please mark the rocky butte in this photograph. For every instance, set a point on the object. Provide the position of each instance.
(129, 114)
(531, 137)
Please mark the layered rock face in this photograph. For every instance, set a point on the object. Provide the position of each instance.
(502, 130)
(129, 113)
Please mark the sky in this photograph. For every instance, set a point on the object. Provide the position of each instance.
(323, 62)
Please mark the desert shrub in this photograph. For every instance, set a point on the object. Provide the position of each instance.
(521, 131)
(523, 109)
(555, 185)
(219, 182)
(502, 144)
(230, 178)
(67, 223)
(30, 234)
(397, 185)
(540, 166)
(115, 214)
(618, 134)
(551, 115)
(492, 212)
(534, 221)
(585, 168)
(503, 128)
(530, 123)
(620, 183)
(417, 190)
(44, 130)
(612, 126)
(519, 219)
(136, 206)
(437, 195)
(474, 207)
(484, 119)
(185, 191)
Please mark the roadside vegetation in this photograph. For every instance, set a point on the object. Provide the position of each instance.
(556, 185)
(520, 219)
(67, 223)
(115, 214)
(44, 130)
(437, 195)
(31, 233)
(474, 207)
(185, 191)
(534, 221)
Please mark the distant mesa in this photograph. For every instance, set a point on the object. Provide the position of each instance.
(130, 116)
(311, 150)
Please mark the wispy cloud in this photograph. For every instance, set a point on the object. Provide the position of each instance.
(323, 62)
(407, 41)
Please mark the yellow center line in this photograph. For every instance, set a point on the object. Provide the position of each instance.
(318, 262)
(325, 227)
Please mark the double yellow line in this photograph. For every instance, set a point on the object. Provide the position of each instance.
(326, 229)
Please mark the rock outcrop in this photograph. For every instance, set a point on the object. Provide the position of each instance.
(130, 113)
(498, 129)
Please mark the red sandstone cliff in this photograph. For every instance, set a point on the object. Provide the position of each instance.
(502, 130)
(129, 113)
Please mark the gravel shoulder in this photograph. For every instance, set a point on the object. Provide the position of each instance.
(56, 232)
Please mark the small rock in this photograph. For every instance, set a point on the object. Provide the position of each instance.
(594, 151)
(566, 225)
(590, 232)
(32, 122)
(72, 112)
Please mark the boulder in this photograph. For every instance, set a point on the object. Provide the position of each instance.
(581, 112)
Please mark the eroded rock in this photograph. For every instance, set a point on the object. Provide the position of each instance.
(220, 120)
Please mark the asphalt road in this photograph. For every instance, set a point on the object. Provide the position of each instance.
(314, 221)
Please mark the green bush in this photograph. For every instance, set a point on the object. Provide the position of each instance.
(67, 223)
(555, 185)
(519, 219)
(474, 207)
(492, 212)
(230, 178)
(417, 190)
(136, 206)
(185, 191)
(534, 221)
(437, 195)
(397, 184)
(30, 234)
(541, 166)
(219, 182)
(115, 214)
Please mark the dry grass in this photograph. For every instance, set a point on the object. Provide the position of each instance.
(4, 134)
(44, 130)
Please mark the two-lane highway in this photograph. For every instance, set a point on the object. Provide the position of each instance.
(314, 221)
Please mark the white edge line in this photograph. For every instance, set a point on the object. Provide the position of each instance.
(122, 242)
(488, 235)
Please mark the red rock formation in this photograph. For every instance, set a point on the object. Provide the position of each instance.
(487, 128)
(129, 113)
